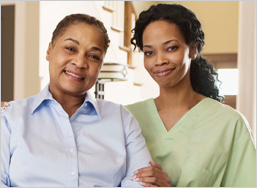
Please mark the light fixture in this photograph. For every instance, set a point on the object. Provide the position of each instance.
(110, 72)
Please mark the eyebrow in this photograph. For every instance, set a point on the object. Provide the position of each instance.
(96, 48)
(149, 46)
(77, 42)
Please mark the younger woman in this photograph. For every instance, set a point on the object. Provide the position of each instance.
(196, 139)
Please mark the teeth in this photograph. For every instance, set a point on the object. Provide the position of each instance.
(73, 75)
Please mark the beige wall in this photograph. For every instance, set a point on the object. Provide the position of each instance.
(32, 81)
(139, 6)
(26, 61)
(219, 20)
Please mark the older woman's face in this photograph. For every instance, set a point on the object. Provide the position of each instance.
(75, 59)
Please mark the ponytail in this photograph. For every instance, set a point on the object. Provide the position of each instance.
(204, 78)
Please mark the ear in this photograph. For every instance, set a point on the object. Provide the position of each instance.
(48, 52)
(193, 51)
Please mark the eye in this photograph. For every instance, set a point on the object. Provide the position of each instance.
(172, 48)
(148, 53)
(71, 49)
(93, 56)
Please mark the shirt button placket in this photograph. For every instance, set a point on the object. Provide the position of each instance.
(73, 168)
(72, 173)
(71, 144)
(74, 178)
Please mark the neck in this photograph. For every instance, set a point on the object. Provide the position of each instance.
(180, 97)
(70, 103)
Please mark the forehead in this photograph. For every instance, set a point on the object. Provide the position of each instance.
(84, 33)
(161, 31)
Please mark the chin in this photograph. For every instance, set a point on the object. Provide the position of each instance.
(167, 84)
(74, 89)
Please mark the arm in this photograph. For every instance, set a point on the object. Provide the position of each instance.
(5, 152)
(138, 155)
(241, 165)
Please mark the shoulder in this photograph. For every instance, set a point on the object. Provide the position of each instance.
(227, 118)
(113, 112)
(15, 112)
(214, 107)
(139, 104)
(108, 108)
(17, 108)
(104, 103)
(138, 107)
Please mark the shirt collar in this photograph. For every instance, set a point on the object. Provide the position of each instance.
(41, 97)
(89, 98)
(45, 95)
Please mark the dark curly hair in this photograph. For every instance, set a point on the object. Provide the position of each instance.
(203, 76)
(76, 19)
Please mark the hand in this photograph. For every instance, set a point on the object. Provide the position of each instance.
(152, 176)
(4, 105)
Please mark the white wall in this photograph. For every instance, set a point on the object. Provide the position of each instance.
(51, 12)
(246, 100)
(126, 92)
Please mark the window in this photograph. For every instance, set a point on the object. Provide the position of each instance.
(226, 65)
(229, 79)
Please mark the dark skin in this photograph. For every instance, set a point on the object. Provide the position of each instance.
(75, 59)
(168, 61)
(152, 176)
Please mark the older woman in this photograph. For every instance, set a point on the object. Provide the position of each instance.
(63, 136)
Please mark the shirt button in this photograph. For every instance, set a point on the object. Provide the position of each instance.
(71, 150)
(72, 173)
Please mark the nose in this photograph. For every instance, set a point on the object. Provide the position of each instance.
(80, 61)
(161, 59)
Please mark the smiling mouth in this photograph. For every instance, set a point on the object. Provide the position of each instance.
(74, 75)
(163, 72)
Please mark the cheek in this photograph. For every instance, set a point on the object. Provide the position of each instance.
(94, 70)
(147, 65)
(54, 66)
(51, 68)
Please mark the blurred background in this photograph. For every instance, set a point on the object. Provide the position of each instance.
(230, 36)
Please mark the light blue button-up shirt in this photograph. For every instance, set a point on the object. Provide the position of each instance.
(100, 145)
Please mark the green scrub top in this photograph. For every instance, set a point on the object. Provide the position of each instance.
(210, 146)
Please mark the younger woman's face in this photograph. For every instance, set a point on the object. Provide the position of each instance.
(166, 54)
